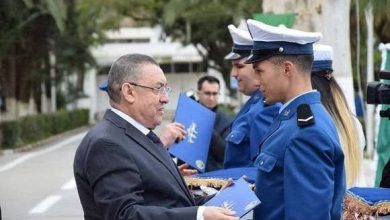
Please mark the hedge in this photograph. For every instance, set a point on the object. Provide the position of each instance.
(34, 128)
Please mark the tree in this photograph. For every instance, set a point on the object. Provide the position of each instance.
(204, 24)
(377, 21)
(34, 29)
(198, 22)
(25, 42)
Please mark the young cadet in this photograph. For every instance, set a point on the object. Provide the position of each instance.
(300, 168)
(255, 117)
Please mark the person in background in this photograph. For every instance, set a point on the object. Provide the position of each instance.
(208, 93)
(122, 169)
(300, 168)
(255, 117)
(332, 97)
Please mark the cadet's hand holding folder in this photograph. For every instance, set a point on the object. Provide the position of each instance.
(238, 197)
(198, 122)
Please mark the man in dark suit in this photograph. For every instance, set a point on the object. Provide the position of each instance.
(121, 168)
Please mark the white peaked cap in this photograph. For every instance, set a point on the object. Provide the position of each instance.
(242, 43)
(323, 56)
(268, 33)
(271, 41)
(322, 52)
(239, 36)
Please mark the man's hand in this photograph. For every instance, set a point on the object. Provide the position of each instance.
(216, 213)
(184, 171)
(172, 132)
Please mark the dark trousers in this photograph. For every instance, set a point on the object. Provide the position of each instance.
(385, 182)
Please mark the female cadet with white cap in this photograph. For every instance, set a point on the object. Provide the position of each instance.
(332, 97)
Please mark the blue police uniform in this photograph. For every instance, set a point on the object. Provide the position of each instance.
(300, 167)
(254, 118)
(248, 128)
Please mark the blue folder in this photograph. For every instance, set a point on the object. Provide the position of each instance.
(238, 197)
(234, 173)
(199, 122)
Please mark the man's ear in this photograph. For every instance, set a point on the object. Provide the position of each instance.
(128, 92)
(288, 68)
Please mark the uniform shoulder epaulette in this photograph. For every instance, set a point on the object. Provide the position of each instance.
(305, 116)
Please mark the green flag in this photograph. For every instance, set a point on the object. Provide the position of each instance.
(383, 140)
(286, 19)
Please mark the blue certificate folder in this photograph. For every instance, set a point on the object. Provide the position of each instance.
(238, 197)
(234, 173)
(199, 122)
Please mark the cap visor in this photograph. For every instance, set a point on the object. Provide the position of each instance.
(233, 56)
(256, 58)
(318, 69)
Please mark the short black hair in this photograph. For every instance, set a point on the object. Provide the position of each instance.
(208, 78)
(303, 62)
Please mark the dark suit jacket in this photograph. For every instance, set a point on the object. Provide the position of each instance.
(121, 174)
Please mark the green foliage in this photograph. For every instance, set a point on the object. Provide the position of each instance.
(204, 23)
(381, 26)
(61, 100)
(11, 134)
(20, 15)
(30, 31)
(31, 129)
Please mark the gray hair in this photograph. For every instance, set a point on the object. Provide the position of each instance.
(126, 68)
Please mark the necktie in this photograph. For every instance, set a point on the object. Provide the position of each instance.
(156, 140)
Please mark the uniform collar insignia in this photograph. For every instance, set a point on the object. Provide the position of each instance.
(286, 112)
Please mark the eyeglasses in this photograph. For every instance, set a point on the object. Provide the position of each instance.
(210, 93)
(163, 90)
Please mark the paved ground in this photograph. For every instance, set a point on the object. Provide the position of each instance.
(39, 184)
